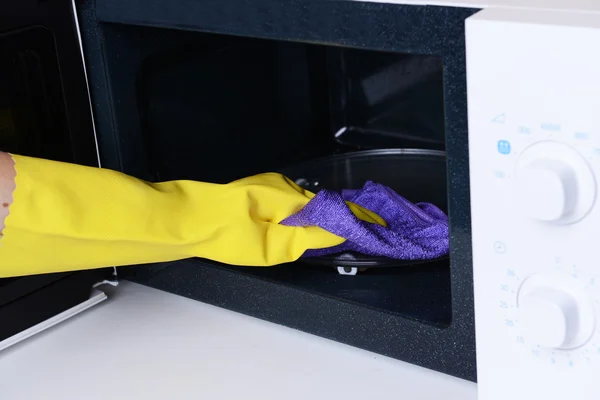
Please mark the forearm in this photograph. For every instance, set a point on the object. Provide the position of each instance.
(7, 186)
(69, 217)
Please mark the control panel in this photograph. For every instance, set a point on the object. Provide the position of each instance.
(533, 81)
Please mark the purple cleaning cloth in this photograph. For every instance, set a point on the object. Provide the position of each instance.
(414, 232)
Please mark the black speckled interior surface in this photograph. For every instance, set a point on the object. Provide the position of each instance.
(428, 30)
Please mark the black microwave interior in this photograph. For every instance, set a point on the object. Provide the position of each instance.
(223, 107)
(213, 107)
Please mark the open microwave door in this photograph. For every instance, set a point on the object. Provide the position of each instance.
(44, 112)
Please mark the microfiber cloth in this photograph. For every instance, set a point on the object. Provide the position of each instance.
(414, 232)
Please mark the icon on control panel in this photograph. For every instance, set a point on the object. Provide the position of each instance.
(581, 135)
(550, 127)
(500, 247)
(524, 130)
(499, 119)
(499, 174)
(504, 147)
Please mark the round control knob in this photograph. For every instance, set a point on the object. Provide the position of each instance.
(549, 316)
(554, 311)
(554, 183)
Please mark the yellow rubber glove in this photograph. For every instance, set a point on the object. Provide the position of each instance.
(69, 217)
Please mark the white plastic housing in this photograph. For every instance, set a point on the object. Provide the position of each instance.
(533, 82)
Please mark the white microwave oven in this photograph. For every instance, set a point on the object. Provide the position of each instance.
(533, 157)
(486, 109)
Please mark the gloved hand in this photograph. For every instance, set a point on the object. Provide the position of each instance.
(69, 217)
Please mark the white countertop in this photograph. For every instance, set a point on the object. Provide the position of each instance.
(146, 344)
